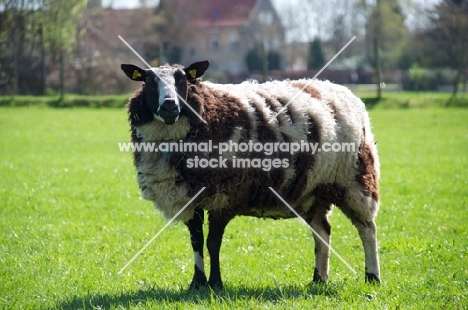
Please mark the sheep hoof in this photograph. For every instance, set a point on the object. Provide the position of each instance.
(198, 283)
(215, 285)
(372, 278)
(317, 278)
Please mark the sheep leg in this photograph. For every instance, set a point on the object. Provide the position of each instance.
(322, 227)
(217, 224)
(195, 226)
(368, 234)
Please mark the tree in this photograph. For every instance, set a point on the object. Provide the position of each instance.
(274, 60)
(316, 59)
(20, 41)
(60, 19)
(335, 22)
(256, 60)
(387, 23)
(29, 29)
(168, 32)
(448, 36)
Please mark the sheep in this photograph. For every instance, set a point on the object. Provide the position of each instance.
(175, 106)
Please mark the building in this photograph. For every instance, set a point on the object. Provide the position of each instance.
(222, 31)
(226, 30)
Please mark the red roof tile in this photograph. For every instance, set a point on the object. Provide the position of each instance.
(214, 13)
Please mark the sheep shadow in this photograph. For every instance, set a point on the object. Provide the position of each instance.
(193, 297)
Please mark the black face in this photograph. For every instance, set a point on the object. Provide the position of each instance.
(166, 87)
(166, 91)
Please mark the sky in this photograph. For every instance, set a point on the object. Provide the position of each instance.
(116, 4)
(119, 4)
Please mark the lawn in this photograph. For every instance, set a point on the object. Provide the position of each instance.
(71, 216)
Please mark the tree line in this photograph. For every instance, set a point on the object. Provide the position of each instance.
(428, 41)
(30, 32)
(38, 37)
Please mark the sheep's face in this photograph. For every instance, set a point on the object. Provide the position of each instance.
(165, 88)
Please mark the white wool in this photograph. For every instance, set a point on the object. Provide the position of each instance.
(157, 179)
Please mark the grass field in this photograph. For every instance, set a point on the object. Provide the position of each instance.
(71, 217)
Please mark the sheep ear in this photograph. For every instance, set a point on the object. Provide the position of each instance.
(134, 72)
(196, 69)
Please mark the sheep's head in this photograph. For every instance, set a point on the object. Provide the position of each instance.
(165, 88)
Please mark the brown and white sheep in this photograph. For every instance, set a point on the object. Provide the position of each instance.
(320, 112)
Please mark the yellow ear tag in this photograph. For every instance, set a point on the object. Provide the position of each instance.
(136, 74)
(193, 73)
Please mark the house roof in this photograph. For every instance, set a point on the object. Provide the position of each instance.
(214, 13)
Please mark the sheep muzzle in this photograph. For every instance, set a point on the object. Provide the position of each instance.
(169, 111)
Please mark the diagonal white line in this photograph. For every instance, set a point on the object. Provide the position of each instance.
(159, 232)
(313, 230)
(307, 84)
(152, 69)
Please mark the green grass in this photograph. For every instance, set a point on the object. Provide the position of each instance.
(71, 217)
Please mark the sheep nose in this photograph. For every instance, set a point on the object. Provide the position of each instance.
(169, 105)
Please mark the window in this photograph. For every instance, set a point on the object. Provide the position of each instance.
(213, 44)
(265, 18)
(234, 44)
